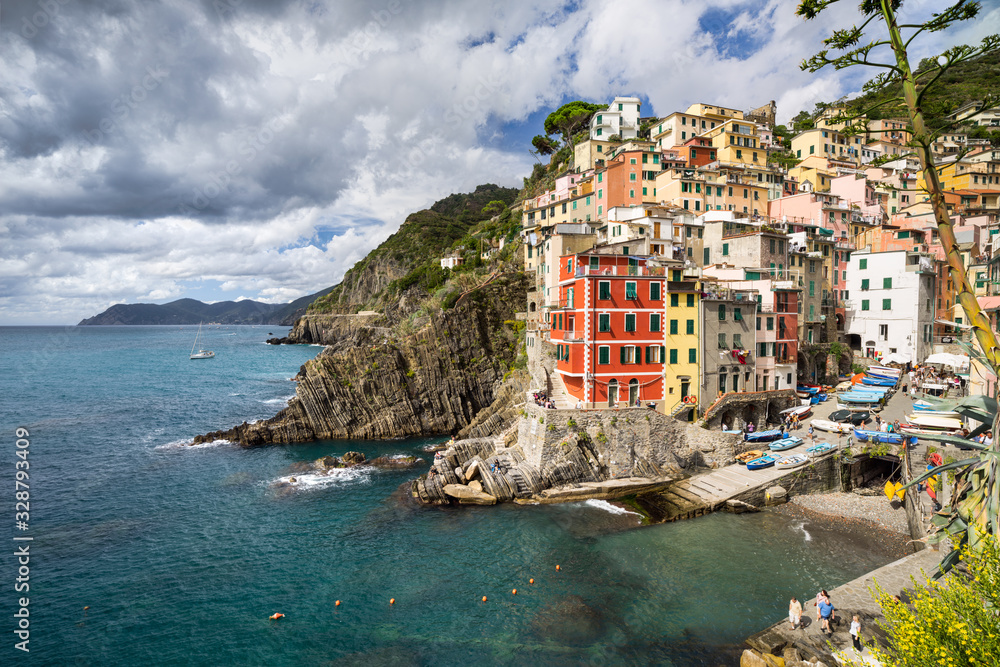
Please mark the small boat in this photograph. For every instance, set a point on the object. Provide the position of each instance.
(785, 443)
(746, 457)
(878, 382)
(765, 461)
(804, 395)
(792, 461)
(923, 406)
(763, 436)
(809, 390)
(940, 423)
(200, 354)
(913, 430)
(884, 372)
(819, 449)
(934, 413)
(866, 399)
(832, 427)
(801, 411)
(844, 386)
(878, 436)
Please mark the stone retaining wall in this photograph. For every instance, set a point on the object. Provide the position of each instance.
(750, 405)
(821, 476)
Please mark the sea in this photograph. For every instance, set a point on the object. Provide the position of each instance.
(147, 551)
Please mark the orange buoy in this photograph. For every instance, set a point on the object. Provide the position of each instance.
(275, 617)
(514, 592)
(337, 603)
(531, 581)
(557, 567)
(484, 598)
(86, 608)
(392, 600)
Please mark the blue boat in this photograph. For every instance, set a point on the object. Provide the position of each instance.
(785, 443)
(878, 436)
(819, 449)
(878, 382)
(765, 461)
(763, 436)
(809, 390)
(868, 399)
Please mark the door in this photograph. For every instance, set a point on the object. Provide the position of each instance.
(685, 388)
(633, 392)
(613, 393)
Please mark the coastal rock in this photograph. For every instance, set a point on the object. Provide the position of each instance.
(370, 383)
(396, 462)
(476, 486)
(751, 658)
(468, 496)
(570, 621)
(353, 458)
(775, 495)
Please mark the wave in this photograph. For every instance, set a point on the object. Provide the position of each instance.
(802, 527)
(608, 507)
(186, 444)
(321, 480)
(278, 401)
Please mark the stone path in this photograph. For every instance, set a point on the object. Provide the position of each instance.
(707, 492)
(849, 599)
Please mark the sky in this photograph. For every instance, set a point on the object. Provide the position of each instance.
(228, 149)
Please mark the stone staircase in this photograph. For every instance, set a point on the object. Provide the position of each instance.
(556, 390)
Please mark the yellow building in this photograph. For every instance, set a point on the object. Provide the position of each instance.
(681, 373)
(587, 153)
(737, 142)
(827, 143)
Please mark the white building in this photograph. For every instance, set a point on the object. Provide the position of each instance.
(620, 118)
(891, 303)
(451, 262)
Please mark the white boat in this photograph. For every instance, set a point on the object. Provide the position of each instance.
(801, 411)
(933, 413)
(832, 427)
(200, 354)
(793, 461)
(941, 423)
(885, 371)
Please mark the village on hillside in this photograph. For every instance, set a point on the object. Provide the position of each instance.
(679, 260)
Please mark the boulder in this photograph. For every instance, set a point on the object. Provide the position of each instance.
(751, 659)
(460, 474)
(468, 496)
(472, 470)
(353, 458)
(327, 462)
(476, 486)
(776, 495)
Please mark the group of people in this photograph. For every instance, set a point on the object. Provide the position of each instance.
(920, 374)
(825, 614)
(886, 426)
(542, 400)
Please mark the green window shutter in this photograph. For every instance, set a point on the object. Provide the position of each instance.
(862, 264)
(693, 356)
(690, 300)
(722, 311)
(637, 355)
(654, 291)
(725, 249)
(621, 354)
(886, 304)
(707, 254)
(663, 353)
(770, 324)
(864, 283)
(864, 304)
(629, 322)
(604, 355)
(812, 288)
(630, 291)
(604, 322)
(604, 291)
(673, 327)
(649, 350)
(758, 324)
(690, 327)
(887, 283)
(673, 355)
(737, 314)
(674, 298)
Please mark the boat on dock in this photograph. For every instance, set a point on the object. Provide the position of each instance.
(785, 443)
(819, 449)
(765, 461)
(763, 436)
(801, 411)
(831, 427)
(878, 436)
(746, 457)
(791, 461)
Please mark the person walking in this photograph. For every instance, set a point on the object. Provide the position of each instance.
(856, 634)
(825, 611)
(794, 613)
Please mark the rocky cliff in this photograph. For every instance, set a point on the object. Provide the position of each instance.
(374, 382)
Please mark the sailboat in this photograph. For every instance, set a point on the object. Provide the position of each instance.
(200, 354)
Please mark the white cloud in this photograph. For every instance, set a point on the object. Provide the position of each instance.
(267, 122)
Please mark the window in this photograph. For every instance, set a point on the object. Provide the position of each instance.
(604, 290)
(604, 354)
(628, 355)
(690, 327)
(690, 301)
(886, 304)
(692, 355)
(738, 341)
(864, 283)
(883, 331)
(629, 321)
(673, 300)
(673, 356)
(725, 249)
(737, 314)
(722, 382)
(654, 321)
(604, 322)
(654, 354)
(812, 288)
(758, 324)
(654, 291)
(706, 255)
(722, 311)
(770, 324)
(673, 326)
(722, 341)
(862, 264)
(864, 304)
(630, 291)
(887, 283)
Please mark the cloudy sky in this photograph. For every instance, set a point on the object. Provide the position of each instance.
(224, 149)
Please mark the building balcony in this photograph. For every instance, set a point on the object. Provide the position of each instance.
(653, 271)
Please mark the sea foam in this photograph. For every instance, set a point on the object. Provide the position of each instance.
(309, 481)
(608, 507)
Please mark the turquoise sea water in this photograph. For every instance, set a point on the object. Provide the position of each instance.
(182, 553)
